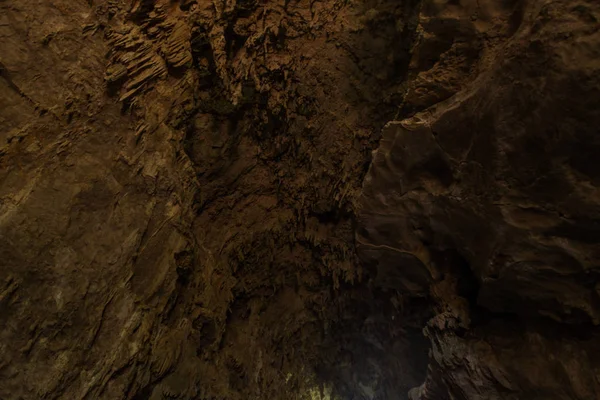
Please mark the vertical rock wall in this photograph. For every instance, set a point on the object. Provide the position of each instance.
(486, 200)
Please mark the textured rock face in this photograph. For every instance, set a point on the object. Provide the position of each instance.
(488, 202)
(186, 212)
(178, 185)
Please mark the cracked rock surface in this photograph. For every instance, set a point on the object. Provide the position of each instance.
(244, 199)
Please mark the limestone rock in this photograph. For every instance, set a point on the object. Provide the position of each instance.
(496, 188)
(190, 207)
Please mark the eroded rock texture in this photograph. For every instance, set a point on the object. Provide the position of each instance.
(487, 200)
(179, 181)
(190, 207)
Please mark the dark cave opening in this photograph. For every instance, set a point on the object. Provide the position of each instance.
(377, 350)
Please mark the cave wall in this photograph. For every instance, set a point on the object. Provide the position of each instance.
(190, 207)
(486, 199)
(179, 182)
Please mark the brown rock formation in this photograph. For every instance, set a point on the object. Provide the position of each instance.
(488, 202)
(183, 213)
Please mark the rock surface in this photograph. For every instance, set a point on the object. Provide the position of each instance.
(178, 185)
(488, 201)
(190, 207)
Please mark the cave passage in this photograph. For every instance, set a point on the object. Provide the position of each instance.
(299, 199)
